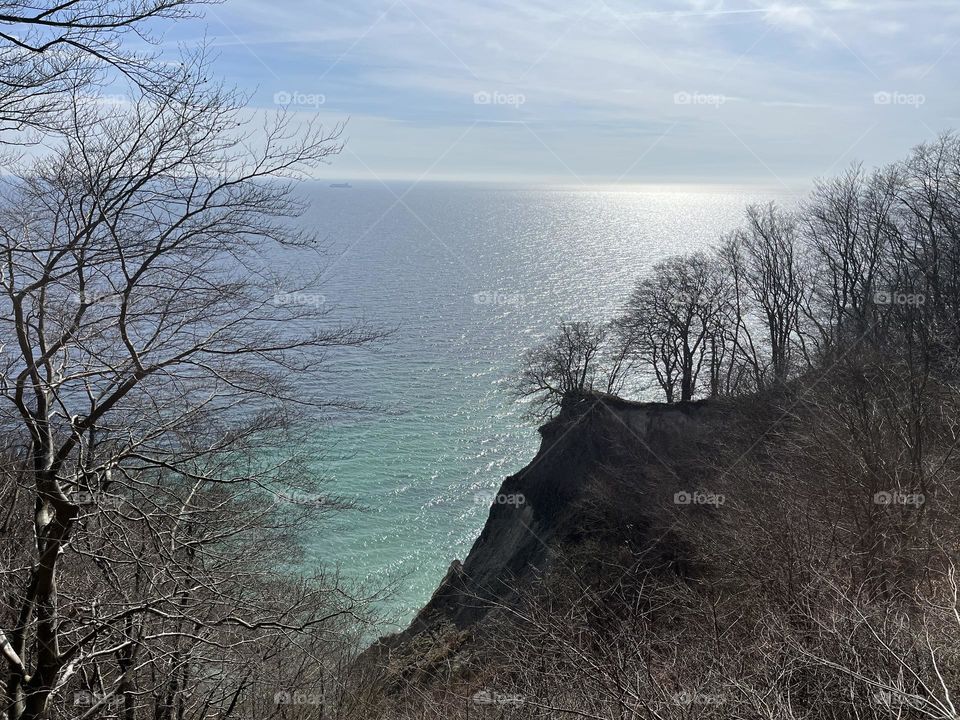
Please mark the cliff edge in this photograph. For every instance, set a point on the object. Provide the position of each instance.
(599, 476)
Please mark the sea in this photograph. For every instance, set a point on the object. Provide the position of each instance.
(465, 278)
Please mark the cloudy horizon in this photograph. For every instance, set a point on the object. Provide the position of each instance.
(702, 91)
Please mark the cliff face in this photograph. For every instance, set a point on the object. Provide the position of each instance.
(597, 448)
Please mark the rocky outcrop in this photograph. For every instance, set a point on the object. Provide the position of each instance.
(566, 495)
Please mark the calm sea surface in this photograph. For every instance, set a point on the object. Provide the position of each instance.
(468, 277)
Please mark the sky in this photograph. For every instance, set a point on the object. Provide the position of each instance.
(600, 91)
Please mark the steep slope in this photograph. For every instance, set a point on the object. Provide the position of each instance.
(567, 495)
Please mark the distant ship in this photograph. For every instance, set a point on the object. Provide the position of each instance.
(341, 185)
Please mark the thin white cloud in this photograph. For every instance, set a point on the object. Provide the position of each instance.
(783, 75)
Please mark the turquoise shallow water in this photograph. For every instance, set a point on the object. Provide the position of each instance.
(468, 277)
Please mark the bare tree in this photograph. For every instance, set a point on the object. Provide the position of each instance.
(51, 52)
(747, 367)
(577, 359)
(674, 323)
(772, 270)
(849, 228)
(149, 351)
